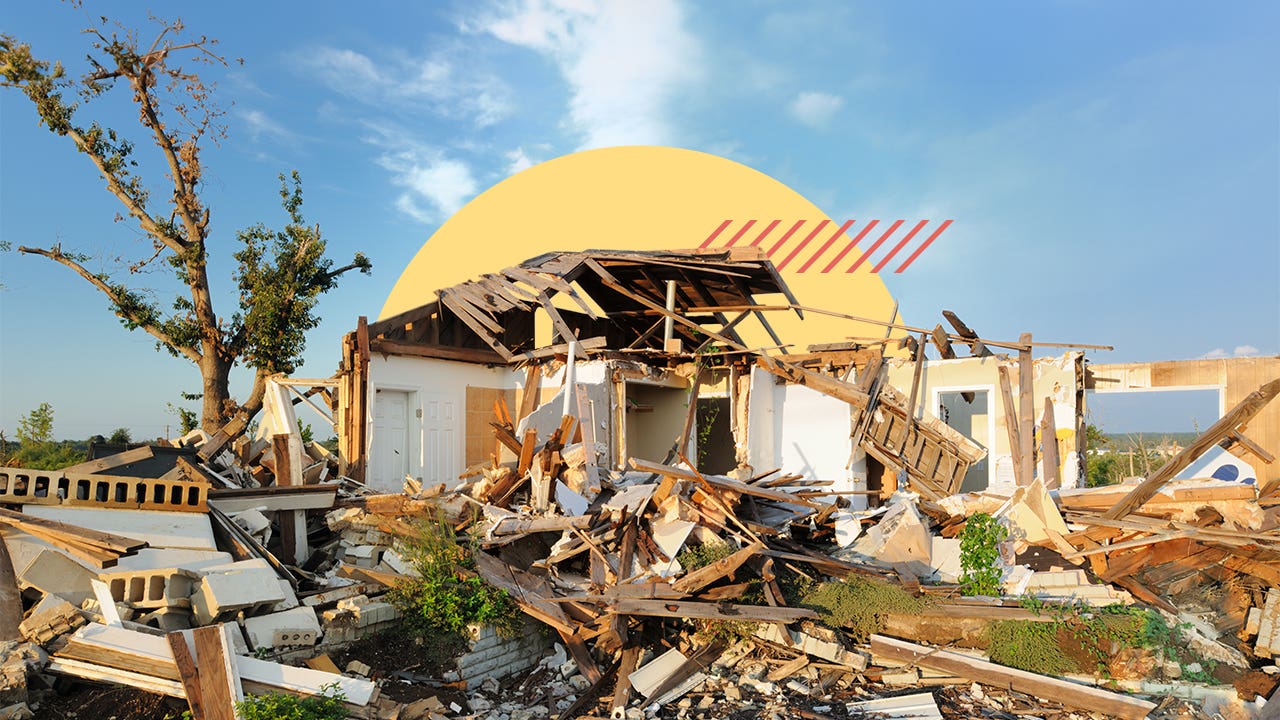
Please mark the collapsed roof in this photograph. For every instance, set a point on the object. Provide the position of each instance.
(620, 301)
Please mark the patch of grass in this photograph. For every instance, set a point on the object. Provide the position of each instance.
(700, 556)
(1029, 645)
(859, 604)
(447, 595)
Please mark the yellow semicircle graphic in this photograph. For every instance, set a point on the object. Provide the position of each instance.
(657, 198)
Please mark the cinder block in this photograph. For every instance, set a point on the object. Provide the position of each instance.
(168, 619)
(56, 574)
(232, 590)
(298, 626)
(168, 587)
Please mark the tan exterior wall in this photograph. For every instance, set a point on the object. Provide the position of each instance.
(1054, 377)
(1235, 377)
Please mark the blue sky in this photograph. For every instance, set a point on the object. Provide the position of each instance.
(1113, 169)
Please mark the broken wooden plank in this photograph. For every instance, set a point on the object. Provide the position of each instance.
(696, 580)
(188, 674)
(1011, 423)
(710, 611)
(1026, 411)
(220, 688)
(1049, 447)
(988, 673)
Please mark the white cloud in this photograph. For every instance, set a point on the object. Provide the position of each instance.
(816, 109)
(517, 160)
(403, 81)
(1238, 351)
(435, 186)
(261, 126)
(625, 62)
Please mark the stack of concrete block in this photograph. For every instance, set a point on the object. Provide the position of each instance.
(490, 655)
(357, 617)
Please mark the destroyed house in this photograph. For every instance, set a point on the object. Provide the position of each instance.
(649, 352)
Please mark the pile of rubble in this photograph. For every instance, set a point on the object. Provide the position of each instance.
(665, 588)
(212, 567)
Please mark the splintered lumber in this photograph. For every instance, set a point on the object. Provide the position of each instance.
(838, 389)
(108, 648)
(704, 576)
(219, 680)
(529, 591)
(225, 434)
(723, 483)
(709, 611)
(1233, 419)
(66, 533)
(622, 693)
(1026, 411)
(188, 674)
(111, 462)
(1011, 419)
(1048, 688)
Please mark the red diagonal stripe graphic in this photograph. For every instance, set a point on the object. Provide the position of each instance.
(876, 246)
(785, 237)
(834, 236)
(716, 233)
(928, 241)
(845, 251)
(803, 244)
(807, 240)
(901, 244)
(740, 233)
(760, 238)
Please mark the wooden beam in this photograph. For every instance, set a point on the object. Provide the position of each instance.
(826, 385)
(1026, 410)
(1049, 447)
(1233, 419)
(940, 341)
(710, 611)
(188, 674)
(112, 461)
(694, 581)
(1238, 438)
(441, 352)
(976, 345)
(1049, 688)
(1011, 424)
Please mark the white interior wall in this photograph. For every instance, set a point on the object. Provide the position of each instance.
(801, 430)
(429, 382)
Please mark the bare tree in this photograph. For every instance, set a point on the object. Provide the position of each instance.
(280, 273)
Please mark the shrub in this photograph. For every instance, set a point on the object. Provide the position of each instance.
(282, 706)
(447, 595)
(980, 555)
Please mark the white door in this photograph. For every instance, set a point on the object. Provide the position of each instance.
(390, 461)
(441, 438)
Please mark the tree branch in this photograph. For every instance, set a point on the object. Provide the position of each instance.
(115, 297)
(131, 203)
